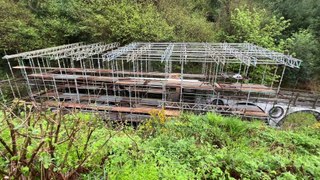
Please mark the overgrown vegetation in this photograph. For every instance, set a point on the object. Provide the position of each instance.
(48, 145)
(298, 120)
(287, 26)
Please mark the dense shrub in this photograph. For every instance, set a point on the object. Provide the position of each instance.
(204, 147)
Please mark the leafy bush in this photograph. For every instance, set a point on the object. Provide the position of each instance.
(187, 27)
(298, 120)
(78, 145)
(125, 21)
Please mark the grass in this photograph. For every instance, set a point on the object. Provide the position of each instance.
(298, 120)
(189, 147)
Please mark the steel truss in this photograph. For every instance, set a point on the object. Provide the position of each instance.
(76, 51)
(276, 56)
(249, 54)
(196, 107)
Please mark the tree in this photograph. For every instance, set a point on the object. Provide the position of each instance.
(304, 45)
(188, 20)
(18, 28)
(58, 21)
(125, 21)
(253, 26)
(18, 31)
(304, 14)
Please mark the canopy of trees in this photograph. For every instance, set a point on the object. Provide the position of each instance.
(289, 26)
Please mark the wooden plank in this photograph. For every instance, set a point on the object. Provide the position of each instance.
(244, 88)
(186, 84)
(142, 110)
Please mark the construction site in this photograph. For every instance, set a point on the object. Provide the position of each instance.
(126, 83)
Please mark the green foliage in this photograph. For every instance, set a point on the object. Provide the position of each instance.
(253, 26)
(125, 21)
(189, 147)
(303, 42)
(264, 75)
(260, 74)
(58, 21)
(17, 27)
(188, 27)
(258, 27)
(298, 120)
(304, 14)
(27, 25)
(304, 45)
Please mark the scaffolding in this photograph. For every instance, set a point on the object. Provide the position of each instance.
(126, 83)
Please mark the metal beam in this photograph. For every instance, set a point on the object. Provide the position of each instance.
(119, 52)
(137, 53)
(240, 55)
(40, 52)
(276, 56)
(215, 54)
(167, 53)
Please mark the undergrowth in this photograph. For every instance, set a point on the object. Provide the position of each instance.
(189, 147)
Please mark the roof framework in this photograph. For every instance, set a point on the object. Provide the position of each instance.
(220, 53)
(76, 51)
(248, 54)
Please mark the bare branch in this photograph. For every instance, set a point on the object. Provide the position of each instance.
(6, 146)
(35, 153)
(75, 129)
(87, 142)
(13, 136)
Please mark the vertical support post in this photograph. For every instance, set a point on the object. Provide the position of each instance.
(56, 88)
(315, 103)
(216, 75)
(12, 90)
(181, 84)
(264, 74)
(136, 70)
(34, 72)
(24, 74)
(65, 68)
(12, 74)
(296, 99)
(239, 72)
(77, 90)
(248, 97)
(280, 82)
(217, 103)
(274, 76)
(209, 73)
(44, 84)
(84, 73)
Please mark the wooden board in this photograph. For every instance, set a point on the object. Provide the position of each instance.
(156, 82)
(256, 88)
(142, 110)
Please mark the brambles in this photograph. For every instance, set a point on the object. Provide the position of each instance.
(80, 145)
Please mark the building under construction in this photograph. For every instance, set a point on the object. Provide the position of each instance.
(127, 83)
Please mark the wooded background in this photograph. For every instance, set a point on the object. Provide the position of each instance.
(287, 26)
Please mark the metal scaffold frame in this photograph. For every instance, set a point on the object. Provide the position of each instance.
(246, 53)
(130, 81)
